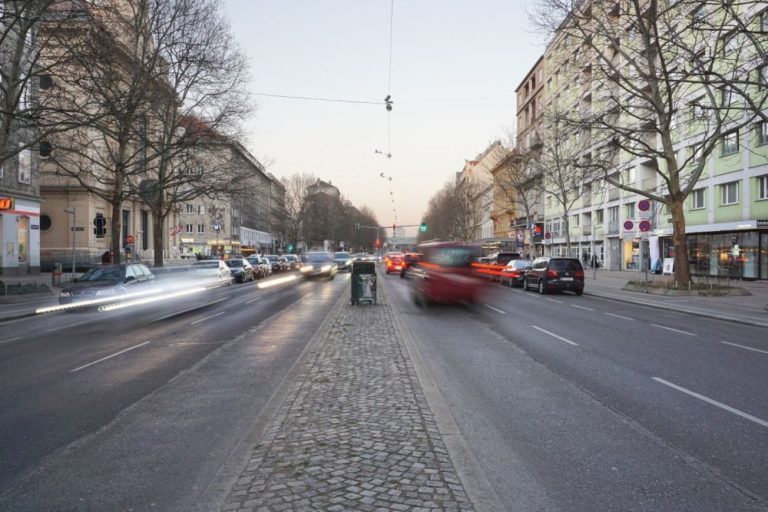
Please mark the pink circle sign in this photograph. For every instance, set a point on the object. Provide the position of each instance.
(644, 205)
(645, 226)
(628, 225)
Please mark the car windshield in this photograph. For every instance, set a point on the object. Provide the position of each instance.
(452, 256)
(341, 255)
(96, 274)
(317, 257)
(272, 257)
(234, 263)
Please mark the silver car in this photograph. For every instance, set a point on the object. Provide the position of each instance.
(318, 264)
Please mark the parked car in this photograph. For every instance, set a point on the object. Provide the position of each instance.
(274, 261)
(318, 264)
(514, 273)
(266, 266)
(445, 274)
(293, 262)
(215, 271)
(393, 262)
(241, 269)
(503, 258)
(555, 274)
(103, 281)
(343, 260)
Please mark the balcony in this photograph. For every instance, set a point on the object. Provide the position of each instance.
(613, 227)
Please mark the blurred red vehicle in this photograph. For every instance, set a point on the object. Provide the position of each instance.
(393, 262)
(445, 274)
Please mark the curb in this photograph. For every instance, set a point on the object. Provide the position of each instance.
(681, 309)
(475, 482)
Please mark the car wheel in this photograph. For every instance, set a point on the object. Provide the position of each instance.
(542, 290)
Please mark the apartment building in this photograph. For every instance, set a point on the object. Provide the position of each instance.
(726, 213)
(477, 180)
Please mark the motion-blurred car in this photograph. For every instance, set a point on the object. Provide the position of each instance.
(102, 281)
(274, 261)
(555, 274)
(393, 262)
(445, 274)
(514, 273)
(242, 271)
(214, 272)
(409, 259)
(318, 264)
(343, 260)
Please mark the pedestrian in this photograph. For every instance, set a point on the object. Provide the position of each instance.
(106, 258)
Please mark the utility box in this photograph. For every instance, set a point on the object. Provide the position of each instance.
(363, 282)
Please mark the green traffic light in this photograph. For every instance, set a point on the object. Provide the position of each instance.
(423, 227)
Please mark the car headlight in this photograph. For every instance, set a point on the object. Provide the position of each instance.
(325, 268)
(65, 294)
(306, 268)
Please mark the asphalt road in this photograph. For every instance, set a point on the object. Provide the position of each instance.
(142, 408)
(581, 404)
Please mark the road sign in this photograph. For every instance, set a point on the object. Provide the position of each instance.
(628, 225)
(130, 240)
(644, 205)
(645, 225)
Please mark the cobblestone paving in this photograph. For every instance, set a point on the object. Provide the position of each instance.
(354, 433)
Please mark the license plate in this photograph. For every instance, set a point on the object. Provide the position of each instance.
(566, 279)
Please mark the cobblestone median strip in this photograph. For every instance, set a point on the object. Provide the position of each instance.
(354, 433)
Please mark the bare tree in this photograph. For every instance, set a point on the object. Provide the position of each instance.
(296, 192)
(198, 106)
(518, 182)
(669, 83)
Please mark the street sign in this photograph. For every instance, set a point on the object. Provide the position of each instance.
(644, 205)
(130, 240)
(77, 228)
(645, 225)
(629, 225)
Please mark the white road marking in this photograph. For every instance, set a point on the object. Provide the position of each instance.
(495, 309)
(554, 300)
(556, 336)
(207, 318)
(185, 343)
(110, 357)
(10, 340)
(253, 300)
(619, 316)
(582, 307)
(67, 326)
(673, 329)
(713, 402)
(745, 347)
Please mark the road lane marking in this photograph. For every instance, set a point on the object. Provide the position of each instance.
(554, 300)
(10, 340)
(207, 318)
(495, 309)
(67, 326)
(673, 329)
(582, 307)
(745, 347)
(712, 402)
(619, 316)
(556, 336)
(253, 300)
(110, 357)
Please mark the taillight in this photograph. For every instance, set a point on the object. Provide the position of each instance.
(579, 273)
(552, 273)
(514, 273)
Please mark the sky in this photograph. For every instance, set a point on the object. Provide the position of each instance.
(455, 65)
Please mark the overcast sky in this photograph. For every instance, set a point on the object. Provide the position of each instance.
(455, 66)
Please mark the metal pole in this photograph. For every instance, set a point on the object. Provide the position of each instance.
(74, 234)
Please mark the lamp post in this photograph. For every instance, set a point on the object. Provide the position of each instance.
(73, 212)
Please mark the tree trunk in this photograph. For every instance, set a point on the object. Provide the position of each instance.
(117, 231)
(567, 226)
(157, 238)
(682, 269)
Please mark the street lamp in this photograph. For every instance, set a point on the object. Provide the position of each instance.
(73, 212)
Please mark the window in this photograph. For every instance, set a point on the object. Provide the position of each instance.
(46, 82)
(190, 209)
(729, 193)
(599, 216)
(762, 187)
(764, 21)
(126, 226)
(201, 228)
(697, 199)
(629, 210)
(189, 229)
(697, 16)
(575, 221)
(762, 133)
(25, 163)
(730, 43)
(201, 209)
(697, 111)
(45, 149)
(695, 152)
(730, 143)
(727, 96)
(763, 75)
(99, 225)
(144, 230)
(45, 222)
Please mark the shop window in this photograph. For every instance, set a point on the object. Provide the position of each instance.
(729, 193)
(730, 143)
(762, 187)
(697, 199)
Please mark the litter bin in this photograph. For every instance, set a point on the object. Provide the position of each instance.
(363, 282)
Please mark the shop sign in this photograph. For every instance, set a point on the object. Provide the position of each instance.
(187, 240)
(34, 226)
(537, 231)
(7, 203)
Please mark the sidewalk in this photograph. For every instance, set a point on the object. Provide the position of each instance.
(355, 431)
(749, 309)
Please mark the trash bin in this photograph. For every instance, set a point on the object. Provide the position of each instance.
(363, 282)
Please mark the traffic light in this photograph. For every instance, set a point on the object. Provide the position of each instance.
(423, 227)
(290, 248)
(377, 243)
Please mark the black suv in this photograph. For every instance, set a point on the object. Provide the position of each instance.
(547, 274)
